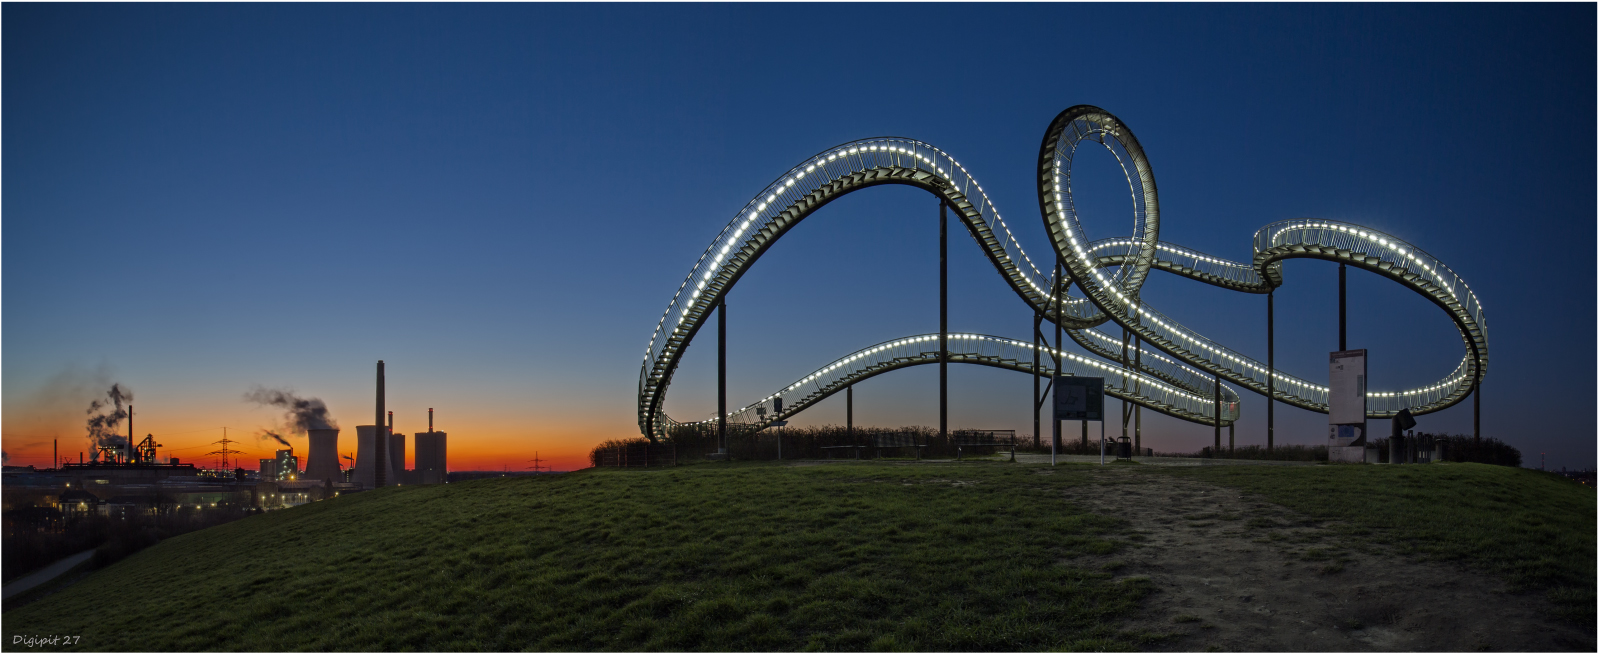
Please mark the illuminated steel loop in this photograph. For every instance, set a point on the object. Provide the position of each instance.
(1176, 379)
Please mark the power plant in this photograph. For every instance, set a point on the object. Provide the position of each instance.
(122, 479)
(430, 454)
(389, 447)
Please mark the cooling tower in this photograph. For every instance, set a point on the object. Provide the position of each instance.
(322, 462)
(366, 455)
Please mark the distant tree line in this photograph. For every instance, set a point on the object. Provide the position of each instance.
(695, 442)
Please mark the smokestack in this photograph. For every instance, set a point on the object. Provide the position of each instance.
(430, 419)
(391, 423)
(55, 453)
(127, 450)
(382, 440)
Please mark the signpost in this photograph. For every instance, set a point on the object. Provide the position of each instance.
(1347, 405)
(1080, 398)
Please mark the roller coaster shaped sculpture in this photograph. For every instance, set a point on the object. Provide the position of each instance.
(1178, 380)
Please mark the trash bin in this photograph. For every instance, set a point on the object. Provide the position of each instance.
(1124, 448)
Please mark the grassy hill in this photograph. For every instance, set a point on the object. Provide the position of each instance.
(1533, 529)
(730, 557)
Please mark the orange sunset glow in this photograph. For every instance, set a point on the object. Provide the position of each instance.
(476, 442)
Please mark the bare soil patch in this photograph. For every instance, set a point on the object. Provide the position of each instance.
(1236, 573)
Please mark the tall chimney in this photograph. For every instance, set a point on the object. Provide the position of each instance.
(127, 451)
(382, 438)
(430, 419)
(55, 453)
(388, 436)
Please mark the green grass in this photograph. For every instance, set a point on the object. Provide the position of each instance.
(737, 557)
(727, 557)
(1535, 530)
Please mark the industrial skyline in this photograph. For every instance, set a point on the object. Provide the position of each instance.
(207, 200)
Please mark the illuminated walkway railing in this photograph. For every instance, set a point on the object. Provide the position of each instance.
(979, 349)
(1108, 272)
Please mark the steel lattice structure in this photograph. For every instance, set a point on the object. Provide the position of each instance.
(1108, 274)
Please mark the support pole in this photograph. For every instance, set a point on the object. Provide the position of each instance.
(1341, 308)
(1477, 391)
(1216, 413)
(722, 375)
(1272, 380)
(944, 326)
(1230, 440)
(1138, 387)
(1055, 431)
(1127, 408)
(850, 412)
(1034, 403)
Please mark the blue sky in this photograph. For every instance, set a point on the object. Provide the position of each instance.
(499, 201)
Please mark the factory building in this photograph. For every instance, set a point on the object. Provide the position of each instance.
(125, 473)
(269, 469)
(322, 461)
(397, 458)
(285, 494)
(430, 457)
(431, 467)
(288, 466)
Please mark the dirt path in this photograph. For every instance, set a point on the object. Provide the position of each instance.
(1235, 573)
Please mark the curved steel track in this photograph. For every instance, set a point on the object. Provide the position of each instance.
(1108, 272)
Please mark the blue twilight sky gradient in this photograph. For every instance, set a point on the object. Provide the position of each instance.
(499, 200)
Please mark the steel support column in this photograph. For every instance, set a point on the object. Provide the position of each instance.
(850, 411)
(1055, 425)
(1138, 387)
(1272, 388)
(1216, 414)
(944, 326)
(1034, 401)
(722, 375)
(1127, 407)
(1341, 308)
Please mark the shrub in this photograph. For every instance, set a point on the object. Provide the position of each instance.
(1257, 452)
(1460, 448)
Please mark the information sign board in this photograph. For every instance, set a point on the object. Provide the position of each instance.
(1347, 398)
(1079, 398)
